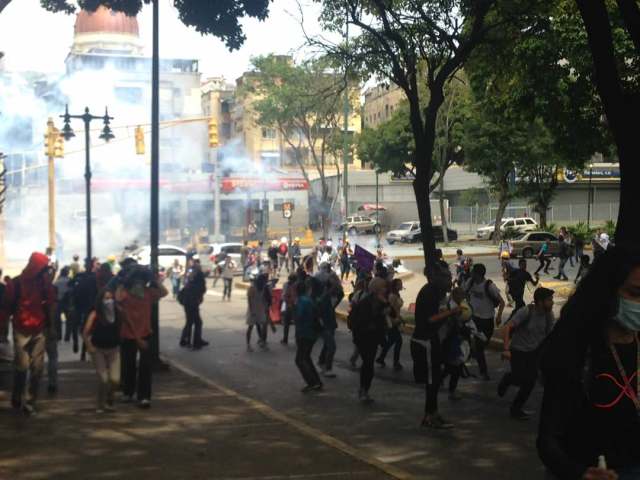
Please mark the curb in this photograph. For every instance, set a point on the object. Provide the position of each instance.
(451, 255)
(391, 470)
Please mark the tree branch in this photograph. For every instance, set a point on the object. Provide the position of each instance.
(631, 18)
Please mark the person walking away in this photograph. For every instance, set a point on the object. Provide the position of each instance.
(192, 297)
(75, 266)
(288, 306)
(307, 328)
(523, 336)
(258, 303)
(543, 258)
(101, 334)
(345, 263)
(484, 298)
(31, 299)
(104, 274)
(63, 292)
(585, 265)
(228, 271)
(563, 254)
(451, 336)
(272, 253)
(283, 255)
(517, 281)
(368, 328)
(61, 287)
(134, 299)
(426, 346)
(296, 254)
(570, 240)
(360, 290)
(589, 363)
(176, 272)
(394, 322)
(85, 290)
(321, 294)
(579, 247)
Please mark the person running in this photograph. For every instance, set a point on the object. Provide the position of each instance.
(543, 258)
(523, 336)
(134, 300)
(228, 271)
(368, 328)
(176, 272)
(360, 291)
(583, 269)
(192, 296)
(563, 255)
(451, 336)
(101, 334)
(394, 323)
(484, 298)
(589, 362)
(288, 306)
(258, 304)
(426, 346)
(31, 299)
(307, 328)
(327, 293)
(517, 281)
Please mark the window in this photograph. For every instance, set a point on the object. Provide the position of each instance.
(535, 237)
(520, 222)
(231, 249)
(508, 224)
(529, 221)
(268, 133)
(170, 252)
(549, 237)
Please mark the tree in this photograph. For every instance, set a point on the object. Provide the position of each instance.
(419, 46)
(304, 103)
(605, 23)
(220, 19)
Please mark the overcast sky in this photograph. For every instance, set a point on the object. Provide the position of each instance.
(36, 40)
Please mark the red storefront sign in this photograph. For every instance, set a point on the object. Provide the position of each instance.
(230, 184)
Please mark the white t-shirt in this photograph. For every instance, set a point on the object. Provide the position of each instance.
(481, 304)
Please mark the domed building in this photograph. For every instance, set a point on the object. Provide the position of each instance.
(107, 32)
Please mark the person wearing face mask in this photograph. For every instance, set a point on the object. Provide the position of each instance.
(101, 335)
(31, 299)
(591, 405)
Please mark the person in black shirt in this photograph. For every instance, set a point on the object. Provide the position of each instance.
(590, 407)
(517, 281)
(426, 344)
(192, 296)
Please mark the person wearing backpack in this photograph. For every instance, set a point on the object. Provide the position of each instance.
(368, 328)
(31, 299)
(484, 298)
(523, 336)
(307, 331)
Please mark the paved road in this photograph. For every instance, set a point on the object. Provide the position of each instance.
(486, 443)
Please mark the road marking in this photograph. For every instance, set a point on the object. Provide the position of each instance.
(308, 475)
(319, 435)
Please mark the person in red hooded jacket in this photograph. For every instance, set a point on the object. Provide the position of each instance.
(31, 299)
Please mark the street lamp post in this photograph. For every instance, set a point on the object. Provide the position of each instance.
(589, 197)
(106, 135)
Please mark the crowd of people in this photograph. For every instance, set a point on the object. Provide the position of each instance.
(106, 305)
(588, 358)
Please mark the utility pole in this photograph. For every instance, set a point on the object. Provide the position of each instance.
(345, 133)
(213, 145)
(54, 148)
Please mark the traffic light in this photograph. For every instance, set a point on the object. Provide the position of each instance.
(58, 145)
(213, 134)
(50, 139)
(139, 140)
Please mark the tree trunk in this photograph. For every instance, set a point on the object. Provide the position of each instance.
(3, 4)
(619, 106)
(542, 211)
(503, 201)
(421, 192)
(326, 222)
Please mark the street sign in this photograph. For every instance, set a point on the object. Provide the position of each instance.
(286, 213)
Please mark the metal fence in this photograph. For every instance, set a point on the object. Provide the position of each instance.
(468, 219)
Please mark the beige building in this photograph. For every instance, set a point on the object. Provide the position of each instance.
(217, 102)
(379, 104)
(266, 145)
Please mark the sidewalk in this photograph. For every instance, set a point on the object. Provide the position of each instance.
(194, 430)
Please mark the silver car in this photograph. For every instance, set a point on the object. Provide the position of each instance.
(360, 224)
(402, 232)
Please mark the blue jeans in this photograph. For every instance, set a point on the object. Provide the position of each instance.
(328, 348)
(394, 339)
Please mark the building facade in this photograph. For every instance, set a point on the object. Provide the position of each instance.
(380, 102)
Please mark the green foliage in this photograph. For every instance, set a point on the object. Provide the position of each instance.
(581, 231)
(473, 196)
(220, 19)
(510, 233)
(610, 228)
(551, 228)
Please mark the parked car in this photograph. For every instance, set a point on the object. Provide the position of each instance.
(520, 224)
(360, 224)
(403, 230)
(416, 235)
(528, 244)
(167, 254)
(215, 254)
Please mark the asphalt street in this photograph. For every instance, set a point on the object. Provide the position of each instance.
(485, 443)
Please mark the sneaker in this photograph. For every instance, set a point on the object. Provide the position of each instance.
(29, 409)
(144, 404)
(397, 367)
(200, 344)
(380, 362)
(328, 374)
(184, 343)
(317, 387)
(75, 348)
(503, 386)
(307, 389)
(436, 422)
(519, 414)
